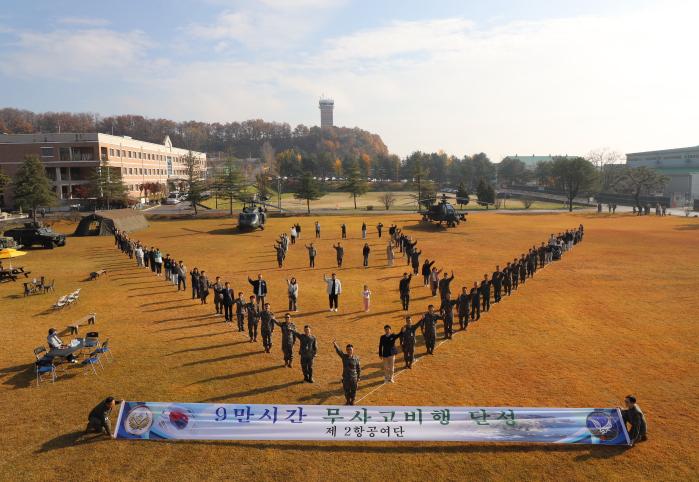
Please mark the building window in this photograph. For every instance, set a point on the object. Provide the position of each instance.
(139, 155)
(47, 152)
(111, 152)
(118, 153)
(130, 170)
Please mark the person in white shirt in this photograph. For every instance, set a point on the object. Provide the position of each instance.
(366, 296)
(293, 291)
(139, 256)
(57, 348)
(334, 288)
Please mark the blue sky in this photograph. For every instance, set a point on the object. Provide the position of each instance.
(501, 76)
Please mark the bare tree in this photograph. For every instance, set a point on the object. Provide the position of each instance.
(269, 158)
(607, 163)
(388, 199)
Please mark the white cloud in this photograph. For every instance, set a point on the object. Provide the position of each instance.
(86, 21)
(64, 53)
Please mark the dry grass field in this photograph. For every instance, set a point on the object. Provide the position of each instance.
(617, 315)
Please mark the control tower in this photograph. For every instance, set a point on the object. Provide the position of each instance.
(326, 107)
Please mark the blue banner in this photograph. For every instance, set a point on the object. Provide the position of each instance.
(209, 421)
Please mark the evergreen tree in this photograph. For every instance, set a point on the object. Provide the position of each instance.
(308, 189)
(356, 184)
(194, 179)
(485, 193)
(31, 186)
(229, 182)
(107, 185)
(462, 194)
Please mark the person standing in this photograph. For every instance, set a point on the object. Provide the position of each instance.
(334, 288)
(390, 256)
(447, 313)
(317, 230)
(158, 260)
(387, 352)
(307, 352)
(218, 295)
(507, 279)
(497, 283)
(444, 289)
(363, 230)
(415, 260)
(429, 325)
(514, 270)
(293, 292)
(311, 255)
(636, 420)
(288, 328)
(240, 309)
(426, 270)
(485, 293)
(203, 287)
(365, 253)
(195, 282)
(344, 230)
(475, 303)
(293, 234)
(351, 372)
(407, 341)
(139, 256)
(339, 253)
(379, 229)
(404, 290)
(259, 288)
(253, 318)
(298, 230)
(267, 327)
(227, 296)
(462, 307)
(181, 276)
(434, 280)
(280, 254)
(366, 297)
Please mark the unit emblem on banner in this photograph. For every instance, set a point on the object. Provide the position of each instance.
(139, 420)
(601, 425)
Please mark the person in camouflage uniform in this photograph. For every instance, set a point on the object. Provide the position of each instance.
(351, 372)
(253, 318)
(267, 321)
(288, 329)
(407, 341)
(429, 327)
(307, 352)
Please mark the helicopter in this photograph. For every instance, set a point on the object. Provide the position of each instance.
(254, 214)
(442, 212)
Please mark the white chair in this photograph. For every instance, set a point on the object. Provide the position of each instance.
(62, 301)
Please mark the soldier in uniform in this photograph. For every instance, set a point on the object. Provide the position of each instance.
(522, 269)
(429, 325)
(497, 283)
(218, 295)
(462, 306)
(267, 321)
(415, 261)
(339, 253)
(485, 293)
(426, 270)
(447, 313)
(240, 307)
(253, 318)
(515, 273)
(280, 254)
(307, 352)
(475, 303)
(288, 329)
(444, 290)
(351, 372)
(407, 341)
(507, 279)
(404, 290)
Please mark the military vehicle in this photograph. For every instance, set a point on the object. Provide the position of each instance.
(442, 212)
(34, 233)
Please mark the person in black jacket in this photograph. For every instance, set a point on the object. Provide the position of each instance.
(339, 253)
(444, 290)
(195, 283)
(447, 315)
(259, 288)
(227, 296)
(497, 283)
(415, 260)
(387, 352)
(404, 290)
(485, 293)
(365, 252)
(426, 270)
(462, 304)
(429, 325)
(507, 279)
(98, 419)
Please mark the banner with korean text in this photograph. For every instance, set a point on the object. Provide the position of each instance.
(210, 421)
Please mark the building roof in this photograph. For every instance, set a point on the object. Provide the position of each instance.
(664, 151)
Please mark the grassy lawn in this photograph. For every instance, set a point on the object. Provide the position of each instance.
(616, 316)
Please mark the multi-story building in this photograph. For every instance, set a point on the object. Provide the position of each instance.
(71, 159)
(680, 165)
(531, 161)
(326, 107)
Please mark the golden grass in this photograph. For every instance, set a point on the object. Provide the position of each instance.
(615, 316)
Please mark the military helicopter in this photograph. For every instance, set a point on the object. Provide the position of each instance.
(442, 212)
(254, 213)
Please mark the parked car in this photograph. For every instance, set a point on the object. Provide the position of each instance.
(173, 198)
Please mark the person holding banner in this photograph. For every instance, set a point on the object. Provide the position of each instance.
(633, 416)
(351, 372)
(407, 341)
(307, 352)
(98, 419)
(267, 322)
(288, 329)
(429, 325)
(387, 352)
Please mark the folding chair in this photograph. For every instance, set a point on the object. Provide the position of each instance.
(92, 340)
(104, 350)
(43, 368)
(50, 287)
(39, 352)
(90, 363)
